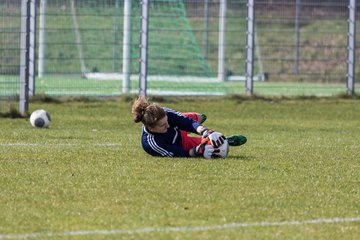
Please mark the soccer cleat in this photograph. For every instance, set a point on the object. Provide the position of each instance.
(236, 140)
(203, 118)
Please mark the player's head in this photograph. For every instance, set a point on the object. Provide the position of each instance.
(150, 114)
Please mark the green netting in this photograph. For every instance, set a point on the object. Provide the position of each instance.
(173, 47)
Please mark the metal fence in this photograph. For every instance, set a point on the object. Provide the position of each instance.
(303, 39)
(10, 14)
(193, 47)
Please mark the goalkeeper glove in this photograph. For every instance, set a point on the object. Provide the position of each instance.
(205, 150)
(205, 132)
(216, 138)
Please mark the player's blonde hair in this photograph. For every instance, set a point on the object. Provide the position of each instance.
(147, 113)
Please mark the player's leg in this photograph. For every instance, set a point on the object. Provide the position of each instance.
(189, 142)
(236, 140)
(200, 117)
(233, 140)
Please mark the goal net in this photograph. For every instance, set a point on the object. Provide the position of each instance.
(173, 48)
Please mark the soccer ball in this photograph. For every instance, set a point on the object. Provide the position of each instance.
(224, 149)
(221, 152)
(40, 118)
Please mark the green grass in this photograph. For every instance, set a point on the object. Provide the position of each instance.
(88, 172)
(75, 86)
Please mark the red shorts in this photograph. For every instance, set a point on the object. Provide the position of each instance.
(187, 141)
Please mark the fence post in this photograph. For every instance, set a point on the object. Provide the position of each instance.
(206, 28)
(351, 48)
(297, 37)
(222, 33)
(42, 38)
(27, 53)
(144, 46)
(116, 35)
(250, 47)
(24, 59)
(32, 47)
(126, 47)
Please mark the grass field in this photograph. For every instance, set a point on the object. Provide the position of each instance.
(76, 86)
(86, 177)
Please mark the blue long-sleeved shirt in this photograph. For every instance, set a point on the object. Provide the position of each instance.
(169, 144)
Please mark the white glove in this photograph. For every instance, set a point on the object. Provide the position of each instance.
(206, 150)
(216, 139)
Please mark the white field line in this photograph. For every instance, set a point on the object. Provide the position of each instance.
(177, 229)
(168, 78)
(57, 145)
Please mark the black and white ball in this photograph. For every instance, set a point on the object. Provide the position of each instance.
(40, 118)
(224, 149)
(221, 151)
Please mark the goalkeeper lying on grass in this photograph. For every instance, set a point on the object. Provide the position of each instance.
(165, 132)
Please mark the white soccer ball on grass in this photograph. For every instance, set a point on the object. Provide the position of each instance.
(224, 149)
(40, 118)
(221, 151)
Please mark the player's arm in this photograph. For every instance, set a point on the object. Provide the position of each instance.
(159, 148)
(190, 125)
(182, 122)
(200, 129)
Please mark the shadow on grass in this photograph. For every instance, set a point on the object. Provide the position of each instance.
(241, 157)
